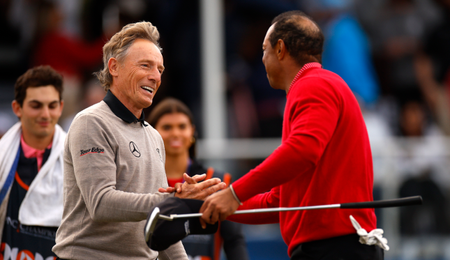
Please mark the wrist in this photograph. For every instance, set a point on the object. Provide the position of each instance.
(234, 195)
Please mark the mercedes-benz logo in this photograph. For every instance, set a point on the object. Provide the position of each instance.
(134, 149)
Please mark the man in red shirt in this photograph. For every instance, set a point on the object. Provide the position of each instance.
(324, 157)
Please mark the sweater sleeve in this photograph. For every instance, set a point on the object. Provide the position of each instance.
(174, 252)
(312, 112)
(264, 200)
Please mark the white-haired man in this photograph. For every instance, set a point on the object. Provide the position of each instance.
(114, 160)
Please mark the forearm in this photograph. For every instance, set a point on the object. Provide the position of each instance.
(280, 167)
(116, 206)
(264, 200)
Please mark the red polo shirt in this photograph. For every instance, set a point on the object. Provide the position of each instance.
(324, 158)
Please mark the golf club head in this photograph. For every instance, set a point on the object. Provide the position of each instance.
(151, 223)
(163, 229)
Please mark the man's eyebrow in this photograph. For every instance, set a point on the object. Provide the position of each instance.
(40, 103)
(35, 101)
(152, 62)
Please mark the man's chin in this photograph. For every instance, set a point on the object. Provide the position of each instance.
(45, 132)
(148, 103)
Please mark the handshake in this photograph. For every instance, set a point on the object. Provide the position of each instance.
(217, 205)
(195, 187)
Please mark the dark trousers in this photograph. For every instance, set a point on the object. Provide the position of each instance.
(337, 248)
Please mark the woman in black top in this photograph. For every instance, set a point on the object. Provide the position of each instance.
(174, 121)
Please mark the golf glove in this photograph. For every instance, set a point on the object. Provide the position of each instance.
(374, 237)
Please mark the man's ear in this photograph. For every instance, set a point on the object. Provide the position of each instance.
(17, 109)
(113, 65)
(280, 49)
(61, 105)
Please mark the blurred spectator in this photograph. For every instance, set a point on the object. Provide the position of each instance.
(423, 173)
(346, 48)
(67, 54)
(6, 121)
(256, 110)
(11, 50)
(433, 69)
(92, 93)
(397, 29)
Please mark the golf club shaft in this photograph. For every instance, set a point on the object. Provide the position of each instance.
(415, 200)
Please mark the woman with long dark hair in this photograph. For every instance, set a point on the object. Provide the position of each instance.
(174, 121)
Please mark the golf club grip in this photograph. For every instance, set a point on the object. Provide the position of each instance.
(408, 201)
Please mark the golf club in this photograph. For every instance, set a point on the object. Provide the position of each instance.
(407, 201)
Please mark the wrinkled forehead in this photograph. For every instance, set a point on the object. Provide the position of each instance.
(143, 49)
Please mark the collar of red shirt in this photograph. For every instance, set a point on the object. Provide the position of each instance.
(303, 69)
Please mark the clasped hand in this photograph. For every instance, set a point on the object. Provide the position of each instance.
(192, 189)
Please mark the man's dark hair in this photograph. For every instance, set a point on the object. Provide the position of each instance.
(37, 77)
(303, 43)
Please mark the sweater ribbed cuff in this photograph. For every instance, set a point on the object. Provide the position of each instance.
(234, 195)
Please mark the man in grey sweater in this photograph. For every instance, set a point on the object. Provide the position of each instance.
(114, 160)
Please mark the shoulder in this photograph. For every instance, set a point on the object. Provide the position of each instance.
(94, 120)
(318, 81)
(91, 113)
(154, 134)
(99, 112)
(151, 129)
(318, 87)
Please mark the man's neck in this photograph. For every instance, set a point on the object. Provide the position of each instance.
(290, 69)
(127, 103)
(297, 71)
(39, 143)
(176, 165)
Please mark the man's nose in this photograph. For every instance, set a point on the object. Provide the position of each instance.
(45, 112)
(155, 75)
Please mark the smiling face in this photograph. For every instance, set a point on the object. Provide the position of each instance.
(177, 131)
(39, 113)
(137, 77)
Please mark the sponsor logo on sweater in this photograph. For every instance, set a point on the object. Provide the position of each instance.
(159, 153)
(134, 149)
(92, 150)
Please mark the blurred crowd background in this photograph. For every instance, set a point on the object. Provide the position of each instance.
(394, 55)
